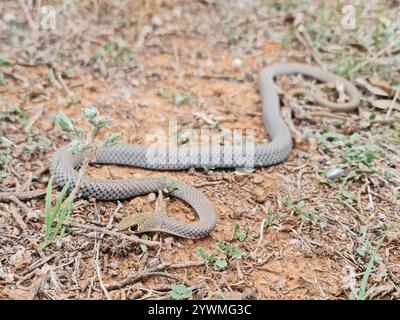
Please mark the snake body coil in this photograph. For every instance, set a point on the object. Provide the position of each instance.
(277, 150)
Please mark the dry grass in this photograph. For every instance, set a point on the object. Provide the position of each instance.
(301, 235)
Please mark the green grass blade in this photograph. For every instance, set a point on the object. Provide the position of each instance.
(59, 200)
(66, 210)
(58, 204)
(363, 286)
(48, 208)
(362, 294)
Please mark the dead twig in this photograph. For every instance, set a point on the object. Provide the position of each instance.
(16, 215)
(37, 283)
(395, 98)
(207, 183)
(97, 265)
(305, 41)
(34, 118)
(23, 196)
(261, 239)
(64, 85)
(133, 238)
(32, 24)
(97, 243)
(155, 271)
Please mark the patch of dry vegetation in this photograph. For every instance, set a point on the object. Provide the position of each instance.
(322, 225)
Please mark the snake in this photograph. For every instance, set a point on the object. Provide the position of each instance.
(64, 162)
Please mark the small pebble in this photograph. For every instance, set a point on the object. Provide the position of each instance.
(334, 173)
(260, 195)
(237, 63)
(157, 21)
(249, 75)
(9, 17)
(154, 262)
(177, 12)
(258, 179)
(169, 240)
(152, 197)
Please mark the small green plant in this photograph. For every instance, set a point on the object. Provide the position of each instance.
(396, 127)
(355, 153)
(221, 261)
(35, 144)
(180, 292)
(51, 214)
(229, 250)
(85, 144)
(272, 220)
(354, 156)
(239, 234)
(179, 98)
(169, 185)
(234, 33)
(5, 153)
(142, 246)
(242, 235)
(365, 250)
(374, 36)
(208, 258)
(307, 214)
(4, 63)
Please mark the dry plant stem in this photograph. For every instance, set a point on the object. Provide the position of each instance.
(326, 115)
(260, 240)
(17, 217)
(132, 278)
(133, 238)
(34, 118)
(97, 247)
(23, 196)
(28, 16)
(85, 164)
(305, 41)
(371, 59)
(37, 283)
(395, 98)
(79, 180)
(64, 86)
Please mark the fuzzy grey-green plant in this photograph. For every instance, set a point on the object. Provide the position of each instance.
(85, 143)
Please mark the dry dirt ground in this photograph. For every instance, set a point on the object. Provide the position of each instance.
(301, 233)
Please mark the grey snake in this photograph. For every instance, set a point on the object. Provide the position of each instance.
(64, 163)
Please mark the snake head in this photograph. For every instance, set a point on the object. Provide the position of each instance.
(138, 223)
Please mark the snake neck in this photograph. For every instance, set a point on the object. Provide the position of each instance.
(191, 231)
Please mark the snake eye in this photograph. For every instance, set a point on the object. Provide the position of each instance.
(133, 227)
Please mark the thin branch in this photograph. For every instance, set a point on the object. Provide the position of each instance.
(133, 238)
(395, 98)
(103, 288)
(132, 278)
(23, 196)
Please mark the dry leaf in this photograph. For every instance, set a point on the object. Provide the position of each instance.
(374, 90)
(378, 82)
(15, 294)
(20, 259)
(41, 274)
(384, 104)
(6, 277)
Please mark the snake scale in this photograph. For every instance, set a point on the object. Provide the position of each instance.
(277, 150)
